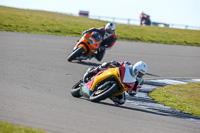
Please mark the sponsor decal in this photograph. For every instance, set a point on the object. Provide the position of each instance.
(91, 41)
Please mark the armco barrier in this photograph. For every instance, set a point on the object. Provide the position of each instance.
(130, 21)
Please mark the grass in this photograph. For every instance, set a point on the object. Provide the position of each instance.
(185, 97)
(41, 22)
(11, 128)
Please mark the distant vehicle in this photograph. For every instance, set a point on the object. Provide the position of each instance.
(145, 19)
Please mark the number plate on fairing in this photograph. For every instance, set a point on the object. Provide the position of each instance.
(85, 91)
(91, 40)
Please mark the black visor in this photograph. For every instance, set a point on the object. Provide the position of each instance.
(110, 31)
(140, 75)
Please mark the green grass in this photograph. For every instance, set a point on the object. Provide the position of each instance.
(41, 22)
(11, 128)
(185, 97)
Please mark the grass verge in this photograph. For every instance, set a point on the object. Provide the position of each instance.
(11, 128)
(185, 97)
(41, 22)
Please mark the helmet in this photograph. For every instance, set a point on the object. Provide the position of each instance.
(110, 28)
(139, 69)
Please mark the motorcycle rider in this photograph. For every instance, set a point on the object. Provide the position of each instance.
(146, 18)
(109, 39)
(137, 70)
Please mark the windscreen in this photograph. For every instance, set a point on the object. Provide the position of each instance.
(97, 36)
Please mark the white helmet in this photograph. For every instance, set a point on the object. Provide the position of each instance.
(110, 28)
(139, 69)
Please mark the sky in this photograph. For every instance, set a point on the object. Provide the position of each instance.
(180, 12)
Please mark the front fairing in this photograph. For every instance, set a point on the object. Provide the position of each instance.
(121, 75)
(103, 75)
(86, 91)
(90, 42)
(94, 45)
(100, 78)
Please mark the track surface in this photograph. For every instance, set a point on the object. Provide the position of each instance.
(35, 82)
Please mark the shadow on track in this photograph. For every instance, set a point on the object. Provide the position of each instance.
(87, 63)
(181, 115)
(160, 112)
(134, 109)
(126, 107)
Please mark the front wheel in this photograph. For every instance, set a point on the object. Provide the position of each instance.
(75, 91)
(75, 54)
(103, 93)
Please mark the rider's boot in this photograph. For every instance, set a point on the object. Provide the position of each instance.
(119, 100)
(131, 93)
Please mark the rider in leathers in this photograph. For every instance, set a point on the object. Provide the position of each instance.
(137, 70)
(146, 18)
(109, 39)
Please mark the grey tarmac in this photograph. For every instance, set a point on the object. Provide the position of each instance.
(35, 83)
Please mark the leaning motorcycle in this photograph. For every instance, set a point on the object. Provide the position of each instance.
(105, 84)
(86, 46)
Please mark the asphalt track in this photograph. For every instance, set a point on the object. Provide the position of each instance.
(35, 82)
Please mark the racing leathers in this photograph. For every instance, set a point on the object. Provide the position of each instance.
(120, 99)
(145, 19)
(107, 43)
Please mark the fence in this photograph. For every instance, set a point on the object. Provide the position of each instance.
(130, 21)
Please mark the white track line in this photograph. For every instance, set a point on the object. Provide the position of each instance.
(143, 99)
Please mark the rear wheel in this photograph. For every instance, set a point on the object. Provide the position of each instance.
(75, 54)
(103, 93)
(75, 91)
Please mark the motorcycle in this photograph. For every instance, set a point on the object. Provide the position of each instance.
(86, 46)
(105, 84)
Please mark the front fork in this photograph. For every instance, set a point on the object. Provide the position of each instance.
(74, 48)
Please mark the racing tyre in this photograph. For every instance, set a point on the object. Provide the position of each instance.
(75, 54)
(75, 91)
(103, 93)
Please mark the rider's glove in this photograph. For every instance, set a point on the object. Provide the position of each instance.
(114, 62)
(88, 74)
(126, 62)
(117, 64)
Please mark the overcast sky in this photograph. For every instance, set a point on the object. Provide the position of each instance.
(184, 12)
